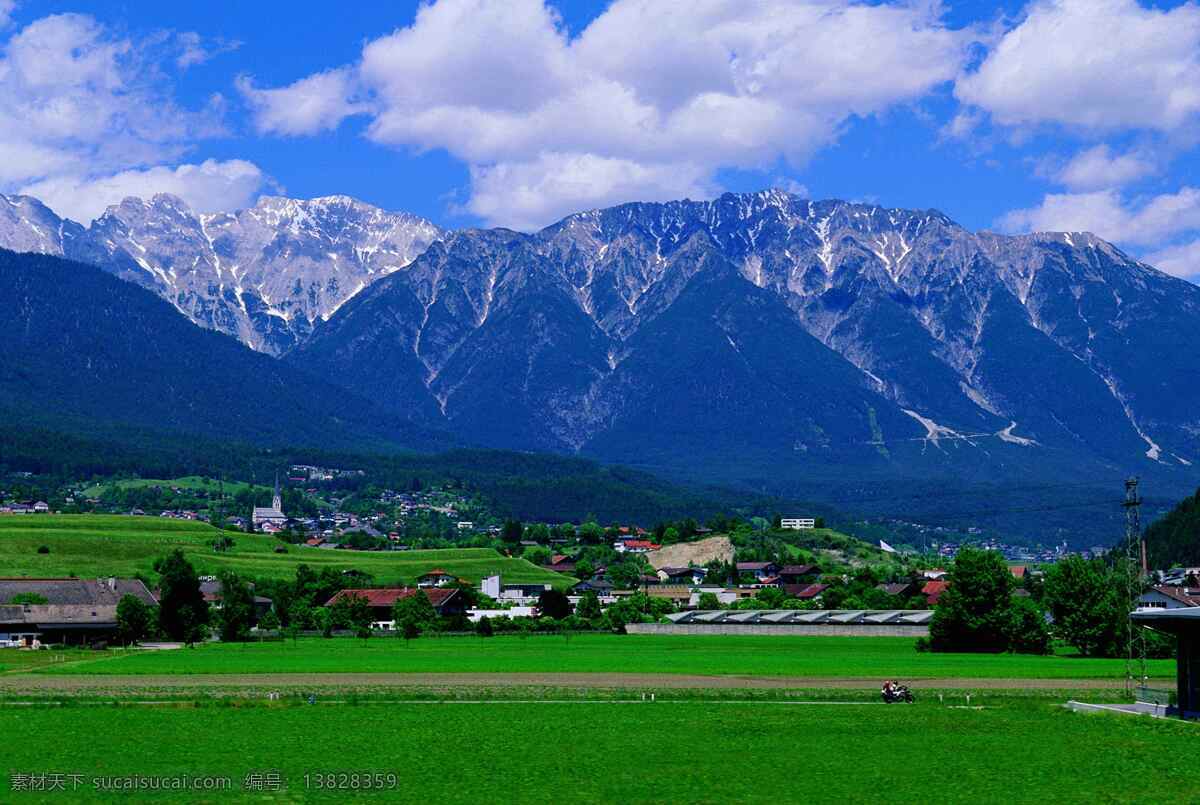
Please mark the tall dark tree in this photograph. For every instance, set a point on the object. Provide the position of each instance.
(974, 613)
(236, 615)
(182, 610)
(134, 619)
(554, 604)
(512, 531)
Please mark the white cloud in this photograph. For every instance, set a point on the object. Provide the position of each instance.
(194, 50)
(1099, 167)
(1093, 64)
(1105, 213)
(312, 104)
(1182, 260)
(516, 192)
(648, 101)
(206, 187)
(7, 7)
(88, 117)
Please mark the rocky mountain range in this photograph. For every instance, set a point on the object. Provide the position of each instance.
(756, 336)
(265, 275)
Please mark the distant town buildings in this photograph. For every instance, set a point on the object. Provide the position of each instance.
(797, 523)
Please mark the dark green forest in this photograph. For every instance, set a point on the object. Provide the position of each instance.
(1175, 538)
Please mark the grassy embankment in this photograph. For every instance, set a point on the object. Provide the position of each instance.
(853, 657)
(1022, 751)
(94, 545)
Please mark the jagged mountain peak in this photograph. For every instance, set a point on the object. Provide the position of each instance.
(264, 274)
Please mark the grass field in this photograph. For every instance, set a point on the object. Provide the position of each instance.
(93, 545)
(1022, 751)
(189, 482)
(872, 657)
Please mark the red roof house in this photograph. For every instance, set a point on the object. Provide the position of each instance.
(382, 599)
(933, 591)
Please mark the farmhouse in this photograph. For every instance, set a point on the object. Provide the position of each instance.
(1165, 596)
(760, 570)
(436, 578)
(382, 600)
(76, 611)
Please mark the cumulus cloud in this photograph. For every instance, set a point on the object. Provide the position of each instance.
(1093, 64)
(649, 101)
(87, 117)
(1100, 167)
(1105, 213)
(209, 186)
(1182, 260)
(312, 104)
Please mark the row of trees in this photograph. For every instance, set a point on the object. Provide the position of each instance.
(1087, 601)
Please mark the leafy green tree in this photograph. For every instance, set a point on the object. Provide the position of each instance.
(554, 604)
(134, 618)
(414, 614)
(269, 622)
(300, 615)
(353, 612)
(591, 533)
(626, 574)
(584, 569)
(484, 627)
(237, 608)
(1028, 632)
(588, 607)
(1089, 604)
(708, 601)
(182, 610)
(323, 621)
(537, 555)
(974, 613)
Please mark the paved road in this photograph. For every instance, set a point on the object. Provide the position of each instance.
(35, 683)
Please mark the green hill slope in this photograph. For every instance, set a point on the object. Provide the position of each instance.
(109, 545)
(1175, 538)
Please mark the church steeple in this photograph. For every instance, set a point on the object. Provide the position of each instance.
(277, 501)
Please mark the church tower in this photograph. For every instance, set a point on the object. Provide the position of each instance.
(277, 501)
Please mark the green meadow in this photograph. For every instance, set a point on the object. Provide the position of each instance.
(193, 483)
(93, 545)
(686, 751)
(870, 657)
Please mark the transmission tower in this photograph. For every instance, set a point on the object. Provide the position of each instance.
(1135, 569)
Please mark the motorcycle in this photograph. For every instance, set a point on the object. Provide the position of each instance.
(900, 693)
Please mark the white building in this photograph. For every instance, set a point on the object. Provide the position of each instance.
(270, 515)
(797, 523)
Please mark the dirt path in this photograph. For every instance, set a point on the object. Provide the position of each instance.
(17, 683)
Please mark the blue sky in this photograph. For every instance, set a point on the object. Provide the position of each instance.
(1053, 114)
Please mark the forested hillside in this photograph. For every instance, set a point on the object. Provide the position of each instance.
(1175, 539)
(86, 353)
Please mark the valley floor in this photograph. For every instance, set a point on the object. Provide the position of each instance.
(1023, 750)
(874, 658)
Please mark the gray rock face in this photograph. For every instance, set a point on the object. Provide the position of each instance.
(264, 275)
(27, 225)
(966, 347)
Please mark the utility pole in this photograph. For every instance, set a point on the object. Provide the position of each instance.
(1135, 570)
